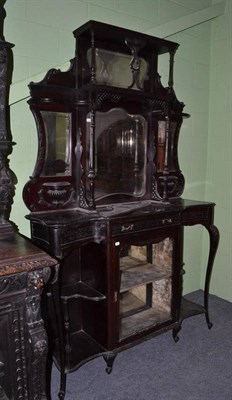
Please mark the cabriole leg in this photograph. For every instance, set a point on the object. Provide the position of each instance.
(109, 359)
(214, 240)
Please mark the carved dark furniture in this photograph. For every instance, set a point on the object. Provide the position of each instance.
(24, 270)
(105, 197)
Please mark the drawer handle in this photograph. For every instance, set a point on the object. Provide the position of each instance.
(167, 221)
(125, 228)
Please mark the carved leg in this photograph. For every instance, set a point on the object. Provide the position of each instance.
(61, 394)
(109, 359)
(175, 332)
(214, 240)
(66, 326)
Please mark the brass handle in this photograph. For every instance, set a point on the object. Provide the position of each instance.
(127, 227)
(167, 221)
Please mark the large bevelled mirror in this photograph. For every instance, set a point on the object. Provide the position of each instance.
(120, 142)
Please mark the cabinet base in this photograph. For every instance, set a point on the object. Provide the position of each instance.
(82, 349)
(189, 309)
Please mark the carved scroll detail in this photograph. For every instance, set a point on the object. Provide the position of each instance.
(135, 63)
(26, 266)
(20, 359)
(6, 177)
(37, 338)
(3, 395)
(12, 283)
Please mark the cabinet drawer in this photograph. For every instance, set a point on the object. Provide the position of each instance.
(197, 216)
(145, 224)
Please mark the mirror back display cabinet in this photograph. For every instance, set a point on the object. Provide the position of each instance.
(105, 196)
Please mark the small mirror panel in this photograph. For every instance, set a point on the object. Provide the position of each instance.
(57, 127)
(114, 69)
(165, 146)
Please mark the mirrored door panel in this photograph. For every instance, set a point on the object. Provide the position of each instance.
(145, 286)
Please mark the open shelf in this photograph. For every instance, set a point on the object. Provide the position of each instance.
(143, 320)
(189, 309)
(81, 290)
(129, 304)
(135, 272)
(83, 348)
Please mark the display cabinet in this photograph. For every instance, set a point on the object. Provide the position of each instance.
(105, 197)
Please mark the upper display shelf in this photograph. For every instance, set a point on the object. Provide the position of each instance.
(113, 56)
(107, 33)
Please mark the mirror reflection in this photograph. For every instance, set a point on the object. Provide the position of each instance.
(120, 153)
(161, 145)
(113, 68)
(57, 126)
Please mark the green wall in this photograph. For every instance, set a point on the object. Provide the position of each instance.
(218, 176)
(42, 34)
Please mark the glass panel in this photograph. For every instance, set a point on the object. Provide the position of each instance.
(120, 153)
(113, 69)
(146, 286)
(163, 68)
(57, 127)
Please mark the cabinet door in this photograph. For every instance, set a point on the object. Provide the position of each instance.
(148, 281)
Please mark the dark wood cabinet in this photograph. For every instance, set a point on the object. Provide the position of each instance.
(120, 277)
(105, 197)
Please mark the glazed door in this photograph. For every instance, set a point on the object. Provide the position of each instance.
(148, 282)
